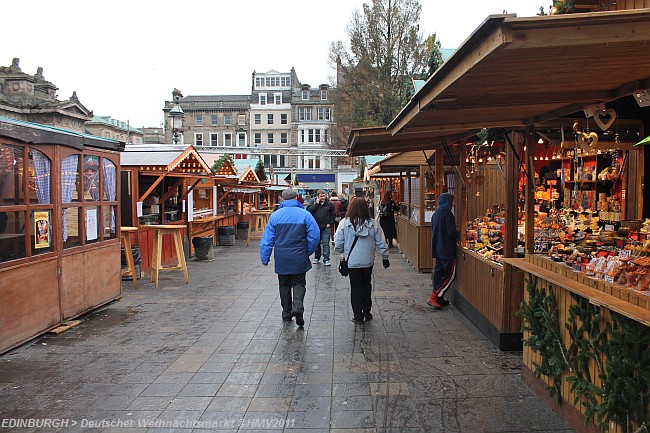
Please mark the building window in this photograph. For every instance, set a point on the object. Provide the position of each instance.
(214, 139)
(283, 118)
(199, 119)
(284, 137)
(269, 138)
(226, 119)
(258, 138)
(305, 94)
(304, 113)
(241, 119)
(285, 81)
(323, 94)
(262, 98)
(258, 119)
(269, 119)
(198, 139)
(324, 113)
(227, 138)
(241, 139)
(311, 136)
(282, 161)
(326, 138)
(311, 162)
(213, 119)
(277, 98)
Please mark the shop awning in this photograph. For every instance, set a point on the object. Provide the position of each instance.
(379, 140)
(512, 72)
(404, 161)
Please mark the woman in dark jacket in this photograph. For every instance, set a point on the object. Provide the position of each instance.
(387, 211)
(443, 248)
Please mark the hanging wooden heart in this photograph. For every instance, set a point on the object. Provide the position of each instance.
(605, 118)
(587, 141)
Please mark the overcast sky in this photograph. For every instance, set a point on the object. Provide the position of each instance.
(124, 58)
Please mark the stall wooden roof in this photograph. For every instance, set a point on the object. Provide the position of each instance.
(185, 162)
(249, 175)
(379, 140)
(405, 160)
(512, 72)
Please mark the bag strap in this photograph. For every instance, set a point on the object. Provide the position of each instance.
(356, 238)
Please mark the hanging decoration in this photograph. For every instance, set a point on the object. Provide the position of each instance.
(605, 118)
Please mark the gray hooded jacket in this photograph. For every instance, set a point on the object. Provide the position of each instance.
(371, 238)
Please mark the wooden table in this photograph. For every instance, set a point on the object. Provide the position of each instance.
(156, 256)
(128, 252)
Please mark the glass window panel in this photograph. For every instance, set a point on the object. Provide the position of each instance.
(91, 178)
(71, 227)
(12, 236)
(70, 179)
(42, 236)
(110, 179)
(108, 213)
(92, 224)
(11, 175)
(39, 177)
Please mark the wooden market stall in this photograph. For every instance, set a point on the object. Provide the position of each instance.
(520, 74)
(421, 178)
(211, 204)
(156, 183)
(59, 241)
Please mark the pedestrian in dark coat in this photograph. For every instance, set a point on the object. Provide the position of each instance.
(325, 215)
(387, 210)
(293, 233)
(443, 249)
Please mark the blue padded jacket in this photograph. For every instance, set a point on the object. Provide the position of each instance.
(294, 234)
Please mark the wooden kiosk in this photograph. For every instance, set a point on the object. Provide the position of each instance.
(421, 178)
(519, 74)
(59, 232)
(156, 183)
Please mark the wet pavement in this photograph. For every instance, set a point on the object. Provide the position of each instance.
(215, 355)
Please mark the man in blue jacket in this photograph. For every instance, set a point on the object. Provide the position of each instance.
(443, 248)
(294, 234)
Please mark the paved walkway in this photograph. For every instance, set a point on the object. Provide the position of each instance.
(215, 355)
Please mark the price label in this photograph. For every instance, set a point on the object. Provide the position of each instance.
(625, 254)
(609, 227)
(609, 279)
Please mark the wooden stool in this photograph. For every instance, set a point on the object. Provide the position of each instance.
(256, 226)
(128, 252)
(156, 255)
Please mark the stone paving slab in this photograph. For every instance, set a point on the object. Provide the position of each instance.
(215, 356)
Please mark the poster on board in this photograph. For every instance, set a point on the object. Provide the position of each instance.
(42, 238)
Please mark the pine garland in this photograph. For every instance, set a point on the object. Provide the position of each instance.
(541, 321)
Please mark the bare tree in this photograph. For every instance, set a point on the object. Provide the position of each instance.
(386, 50)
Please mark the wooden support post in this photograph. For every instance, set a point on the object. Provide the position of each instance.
(511, 186)
(461, 199)
(440, 172)
(529, 142)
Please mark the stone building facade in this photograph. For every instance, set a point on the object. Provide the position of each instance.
(33, 99)
(286, 124)
(107, 127)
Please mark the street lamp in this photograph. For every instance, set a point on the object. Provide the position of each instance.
(176, 113)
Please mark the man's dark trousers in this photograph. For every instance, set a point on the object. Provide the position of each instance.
(297, 282)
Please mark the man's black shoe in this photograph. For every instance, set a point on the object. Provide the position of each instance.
(357, 319)
(367, 316)
(300, 321)
(287, 319)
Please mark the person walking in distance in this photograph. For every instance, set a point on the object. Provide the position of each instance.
(443, 249)
(387, 209)
(358, 238)
(338, 207)
(293, 234)
(323, 212)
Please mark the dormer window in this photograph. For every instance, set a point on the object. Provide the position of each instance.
(262, 98)
(323, 94)
(305, 94)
